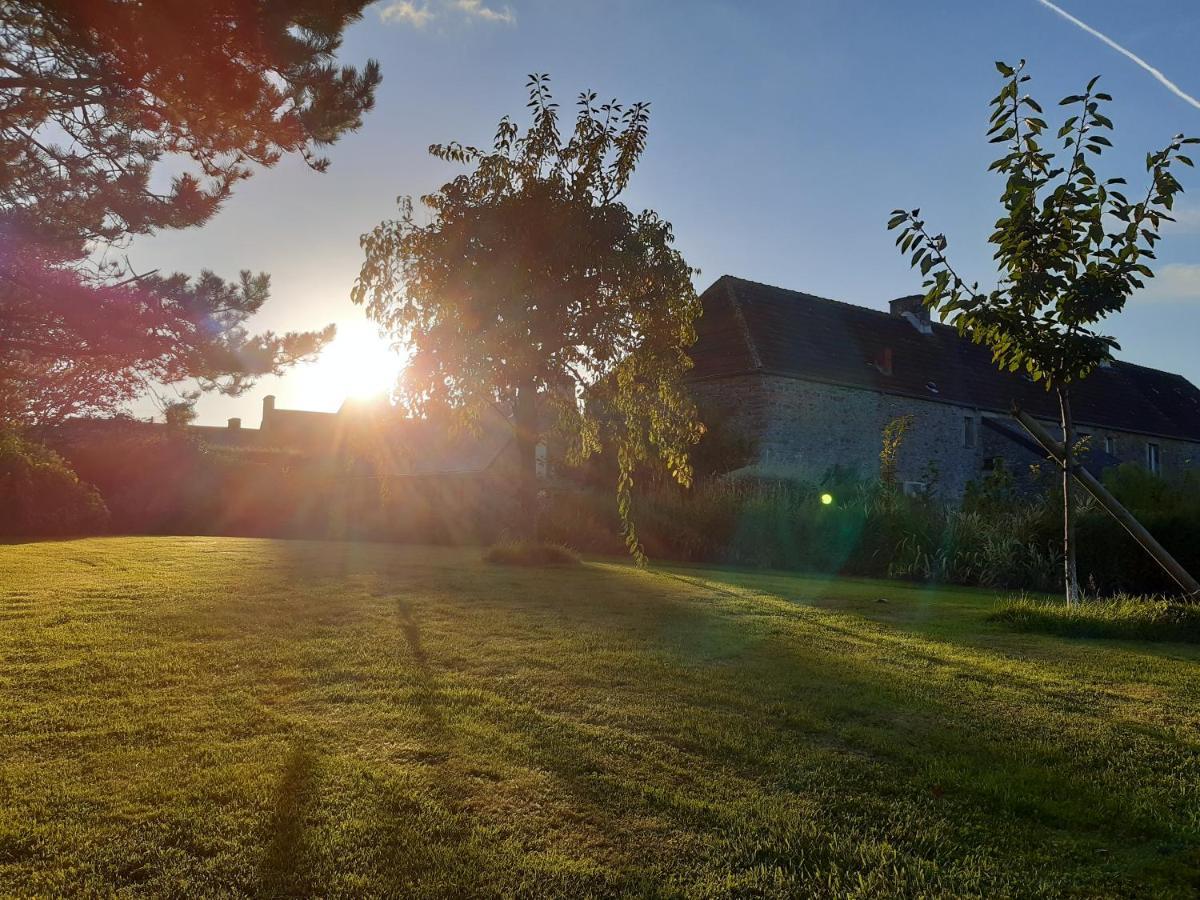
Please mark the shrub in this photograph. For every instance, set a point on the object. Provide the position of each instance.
(530, 553)
(1144, 493)
(1000, 537)
(1124, 617)
(867, 529)
(40, 495)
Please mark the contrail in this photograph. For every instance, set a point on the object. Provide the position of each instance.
(1163, 79)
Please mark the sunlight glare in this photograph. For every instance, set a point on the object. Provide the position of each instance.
(358, 363)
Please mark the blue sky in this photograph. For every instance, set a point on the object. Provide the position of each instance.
(782, 134)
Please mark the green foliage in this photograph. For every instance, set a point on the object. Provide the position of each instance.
(530, 553)
(1000, 537)
(1064, 267)
(724, 446)
(868, 529)
(1144, 492)
(1121, 618)
(120, 119)
(1070, 248)
(100, 93)
(893, 438)
(533, 285)
(164, 481)
(40, 495)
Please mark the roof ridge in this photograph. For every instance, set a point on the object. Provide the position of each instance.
(831, 341)
(934, 322)
(1134, 365)
(887, 313)
(743, 327)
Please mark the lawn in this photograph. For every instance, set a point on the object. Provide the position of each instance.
(195, 716)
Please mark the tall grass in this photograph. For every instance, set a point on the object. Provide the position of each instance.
(530, 553)
(999, 537)
(864, 529)
(1123, 617)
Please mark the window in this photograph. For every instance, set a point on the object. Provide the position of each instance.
(969, 436)
(1153, 462)
(913, 488)
(1110, 445)
(540, 460)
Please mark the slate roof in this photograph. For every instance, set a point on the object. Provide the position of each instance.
(405, 446)
(301, 429)
(748, 326)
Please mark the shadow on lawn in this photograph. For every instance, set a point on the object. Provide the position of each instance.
(427, 695)
(736, 680)
(955, 723)
(284, 871)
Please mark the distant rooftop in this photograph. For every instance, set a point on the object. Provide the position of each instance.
(748, 326)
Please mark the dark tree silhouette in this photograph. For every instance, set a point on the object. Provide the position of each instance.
(534, 285)
(99, 99)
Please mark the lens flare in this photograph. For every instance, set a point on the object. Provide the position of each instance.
(826, 499)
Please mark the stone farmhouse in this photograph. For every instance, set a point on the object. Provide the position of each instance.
(812, 382)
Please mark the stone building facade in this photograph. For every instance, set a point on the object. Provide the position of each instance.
(812, 383)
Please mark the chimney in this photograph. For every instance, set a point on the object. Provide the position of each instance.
(235, 424)
(913, 309)
(268, 408)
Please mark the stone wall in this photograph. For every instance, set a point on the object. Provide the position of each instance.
(804, 429)
(1175, 456)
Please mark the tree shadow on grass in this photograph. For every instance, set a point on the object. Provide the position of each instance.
(285, 867)
(427, 695)
(900, 717)
(893, 716)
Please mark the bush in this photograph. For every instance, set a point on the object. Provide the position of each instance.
(1144, 493)
(40, 495)
(530, 553)
(156, 481)
(1124, 617)
(867, 529)
(1000, 537)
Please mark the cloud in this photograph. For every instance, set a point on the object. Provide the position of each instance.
(1187, 219)
(408, 12)
(419, 13)
(474, 9)
(1128, 54)
(1174, 282)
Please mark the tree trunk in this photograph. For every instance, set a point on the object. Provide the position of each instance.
(1070, 572)
(525, 424)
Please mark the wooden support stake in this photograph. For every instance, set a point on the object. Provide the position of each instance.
(1135, 528)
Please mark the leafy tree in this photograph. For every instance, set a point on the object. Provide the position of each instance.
(99, 101)
(534, 285)
(892, 440)
(1070, 248)
(40, 494)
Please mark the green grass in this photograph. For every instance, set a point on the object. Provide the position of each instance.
(199, 716)
(530, 553)
(1121, 618)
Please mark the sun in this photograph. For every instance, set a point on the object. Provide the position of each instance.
(357, 363)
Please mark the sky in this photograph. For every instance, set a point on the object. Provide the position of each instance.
(781, 136)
